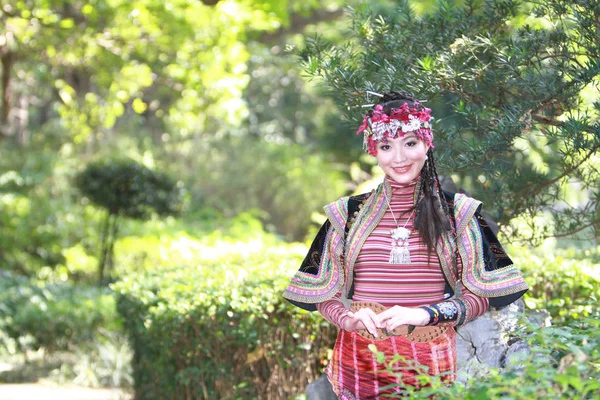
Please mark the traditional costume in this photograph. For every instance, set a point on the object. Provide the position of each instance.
(353, 263)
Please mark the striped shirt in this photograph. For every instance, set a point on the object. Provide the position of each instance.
(376, 280)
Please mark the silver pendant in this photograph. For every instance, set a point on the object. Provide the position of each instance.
(400, 233)
(400, 254)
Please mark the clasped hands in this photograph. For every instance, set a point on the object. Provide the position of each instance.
(390, 319)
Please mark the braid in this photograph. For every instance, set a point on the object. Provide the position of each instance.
(440, 191)
(431, 218)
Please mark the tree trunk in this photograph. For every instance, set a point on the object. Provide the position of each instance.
(104, 248)
(7, 59)
(22, 122)
(111, 249)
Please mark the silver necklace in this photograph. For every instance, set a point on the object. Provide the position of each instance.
(400, 254)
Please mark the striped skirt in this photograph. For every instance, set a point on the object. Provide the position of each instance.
(356, 374)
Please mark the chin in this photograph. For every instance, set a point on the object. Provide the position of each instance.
(403, 178)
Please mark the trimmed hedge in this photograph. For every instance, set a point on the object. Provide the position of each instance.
(222, 330)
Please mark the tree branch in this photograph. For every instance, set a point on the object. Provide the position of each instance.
(298, 23)
(565, 234)
(529, 193)
(546, 120)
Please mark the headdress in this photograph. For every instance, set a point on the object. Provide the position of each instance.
(377, 125)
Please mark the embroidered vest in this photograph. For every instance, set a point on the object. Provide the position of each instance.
(329, 265)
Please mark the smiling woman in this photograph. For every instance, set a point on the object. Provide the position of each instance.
(402, 158)
(401, 267)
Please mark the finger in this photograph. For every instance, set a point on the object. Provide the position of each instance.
(382, 316)
(368, 313)
(394, 323)
(373, 317)
(391, 313)
(369, 324)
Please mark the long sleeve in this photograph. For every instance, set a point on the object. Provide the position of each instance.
(460, 309)
(333, 310)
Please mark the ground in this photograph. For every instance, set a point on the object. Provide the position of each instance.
(34, 391)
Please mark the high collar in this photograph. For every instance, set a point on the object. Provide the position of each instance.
(402, 189)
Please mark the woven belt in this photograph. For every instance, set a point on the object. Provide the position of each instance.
(418, 334)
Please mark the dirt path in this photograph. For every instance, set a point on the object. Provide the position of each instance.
(38, 391)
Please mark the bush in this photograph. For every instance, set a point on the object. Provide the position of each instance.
(221, 329)
(564, 282)
(127, 188)
(562, 363)
(39, 210)
(287, 182)
(53, 316)
(205, 316)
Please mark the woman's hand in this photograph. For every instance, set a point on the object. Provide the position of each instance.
(395, 316)
(365, 318)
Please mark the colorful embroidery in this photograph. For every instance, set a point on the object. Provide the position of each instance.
(495, 283)
(315, 288)
(331, 276)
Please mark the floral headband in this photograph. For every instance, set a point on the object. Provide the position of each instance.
(379, 125)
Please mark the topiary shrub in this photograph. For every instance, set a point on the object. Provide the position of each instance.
(125, 188)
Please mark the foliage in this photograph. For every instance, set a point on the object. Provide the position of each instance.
(172, 60)
(105, 362)
(284, 180)
(562, 282)
(286, 108)
(235, 336)
(127, 188)
(219, 328)
(514, 87)
(561, 363)
(54, 316)
(39, 210)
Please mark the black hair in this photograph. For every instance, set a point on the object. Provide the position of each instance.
(432, 214)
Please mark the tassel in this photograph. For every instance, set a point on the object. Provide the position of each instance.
(400, 256)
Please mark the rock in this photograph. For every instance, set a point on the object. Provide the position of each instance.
(484, 342)
(539, 318)
(508, 317)
(472, 369)
(516, 353)
(320, 390)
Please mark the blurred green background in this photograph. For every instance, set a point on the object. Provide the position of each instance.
(164, 164)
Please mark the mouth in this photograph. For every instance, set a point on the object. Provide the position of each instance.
(401, 170)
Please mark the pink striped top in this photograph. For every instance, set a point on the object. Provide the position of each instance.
(420, 283)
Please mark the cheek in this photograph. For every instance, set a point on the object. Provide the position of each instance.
(382, 158)
(418, 154)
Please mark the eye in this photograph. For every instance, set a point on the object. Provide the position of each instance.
(411, 143)
(384, 147)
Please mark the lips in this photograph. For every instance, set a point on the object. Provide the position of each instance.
(401, 170)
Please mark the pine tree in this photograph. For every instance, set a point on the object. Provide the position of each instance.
(514, 87)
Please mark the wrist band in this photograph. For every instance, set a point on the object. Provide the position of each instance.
(434, 315)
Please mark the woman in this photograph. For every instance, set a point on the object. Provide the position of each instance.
(402, 266)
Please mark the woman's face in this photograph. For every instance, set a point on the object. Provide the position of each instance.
(402, 158)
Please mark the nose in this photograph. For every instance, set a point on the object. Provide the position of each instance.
(399, 155)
